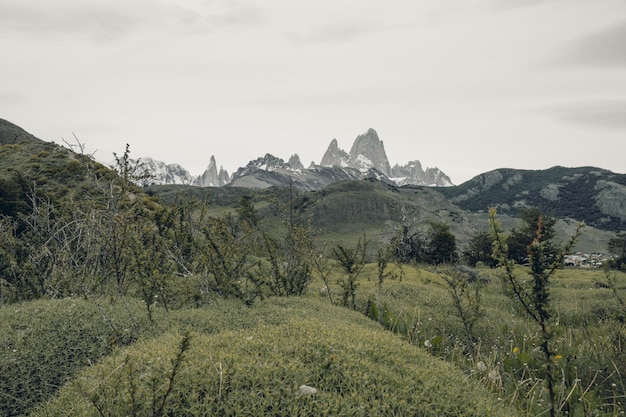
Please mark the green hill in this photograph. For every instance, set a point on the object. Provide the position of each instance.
(240, 361)
(592, 195)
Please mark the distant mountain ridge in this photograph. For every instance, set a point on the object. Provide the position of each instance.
(163, 173)
(367, 159)
(593, 195)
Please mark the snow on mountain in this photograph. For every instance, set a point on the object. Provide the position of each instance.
(367, 159)
(167, 173)
(368, 152)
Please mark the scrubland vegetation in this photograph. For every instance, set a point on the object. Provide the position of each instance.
(116, 303)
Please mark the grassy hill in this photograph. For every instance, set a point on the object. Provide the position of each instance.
(95, 356)
(30, 167)
(239, 361)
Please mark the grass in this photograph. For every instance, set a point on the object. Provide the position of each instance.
(253, 359)
(504, 354)
(259, 371)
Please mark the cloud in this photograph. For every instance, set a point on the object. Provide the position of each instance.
(113, 20)
(607, 114)
(335, 33)
(499, 5)
(605, 48)
(245, 16)
(101, 21)
(12, 98)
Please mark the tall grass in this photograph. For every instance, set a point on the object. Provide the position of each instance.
(589, 360)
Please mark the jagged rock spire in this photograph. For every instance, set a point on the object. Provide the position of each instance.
(368, 151)
(294, 162)
(334, 156)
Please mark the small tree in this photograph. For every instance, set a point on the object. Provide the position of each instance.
(466, 293)
(351, 261)
(479, 250)
(441, 247)
(321, 263)
(288, 255)
(617, 249)
(521, 237)
(407, 244)
(535, 299)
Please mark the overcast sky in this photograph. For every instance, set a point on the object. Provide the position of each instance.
(464, 85)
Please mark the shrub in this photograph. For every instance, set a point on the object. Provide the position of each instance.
(45, 343)
(259, 372)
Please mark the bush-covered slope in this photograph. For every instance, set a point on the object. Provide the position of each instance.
(356, 371)
(31, 168)
(45, 343)
(11, 134)
(593, 195)
(240, 359)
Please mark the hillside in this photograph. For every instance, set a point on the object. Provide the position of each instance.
(11, 134)
(593, 195)
(342, 211)
(30, 166)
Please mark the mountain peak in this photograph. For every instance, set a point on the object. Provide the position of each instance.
(294, 162)
(211, 177)
(368, 151)
(11, 134)
(334, 156)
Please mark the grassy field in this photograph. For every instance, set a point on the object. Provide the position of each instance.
(97, 357)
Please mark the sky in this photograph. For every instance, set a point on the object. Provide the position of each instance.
(467, 86)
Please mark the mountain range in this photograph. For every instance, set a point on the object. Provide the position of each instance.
(367, 159)
(341, 200)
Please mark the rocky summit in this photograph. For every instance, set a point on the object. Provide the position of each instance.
(367, 159)
(368, 152)
(212, 177)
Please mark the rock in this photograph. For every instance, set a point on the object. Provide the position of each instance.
(210, 177)
(163, 173)
(223, 177)
(294, 162)
(368, 151)
(334, 156)
(306, 390)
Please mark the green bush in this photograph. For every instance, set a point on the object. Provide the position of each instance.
(45, 343)
(260, 372)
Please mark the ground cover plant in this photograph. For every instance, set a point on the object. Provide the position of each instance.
(262, 371)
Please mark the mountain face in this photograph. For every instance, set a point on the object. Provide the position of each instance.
(593, 195)
(368, 152)
(271, 171)
(163, 173)
(167, 173)
(334, 156)
(211, 177)
(412, 173)
(367, 159)
(294, 162)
